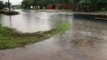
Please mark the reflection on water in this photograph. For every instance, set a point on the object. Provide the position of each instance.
(86, 40)
(30, 21)
(89, 32)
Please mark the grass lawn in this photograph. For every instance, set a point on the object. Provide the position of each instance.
(9, 38)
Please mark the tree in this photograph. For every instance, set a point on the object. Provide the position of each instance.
(85, 5)
(75, 4)
(1, 5)
(102, 4)
(26, 4)
(90, 5)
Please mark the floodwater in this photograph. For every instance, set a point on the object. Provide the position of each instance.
(30, 21)
(86, 40)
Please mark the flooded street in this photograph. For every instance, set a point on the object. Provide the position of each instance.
(30, 21)
(86, 39)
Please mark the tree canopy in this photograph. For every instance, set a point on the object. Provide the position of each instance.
(28, 3)
(91, 5)
(1, 5)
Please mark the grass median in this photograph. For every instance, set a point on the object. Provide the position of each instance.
(10, 38)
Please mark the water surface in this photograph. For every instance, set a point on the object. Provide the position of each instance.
(30, 21)
(86, 39)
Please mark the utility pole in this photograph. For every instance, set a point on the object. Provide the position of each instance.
(9, 5)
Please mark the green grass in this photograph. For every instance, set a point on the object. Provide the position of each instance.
(9, 38)
(62, 27)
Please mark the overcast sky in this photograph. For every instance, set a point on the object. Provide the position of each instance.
(14, 2)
